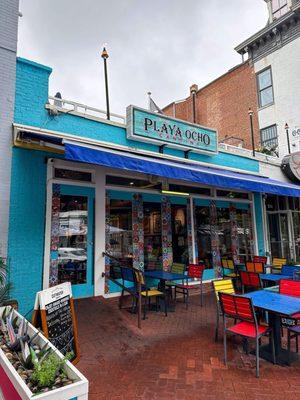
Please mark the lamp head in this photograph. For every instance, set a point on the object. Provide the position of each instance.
(104, 53)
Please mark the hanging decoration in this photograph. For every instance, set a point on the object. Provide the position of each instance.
(215, 249)
(54, 243)
(166, 233)
(137, 231)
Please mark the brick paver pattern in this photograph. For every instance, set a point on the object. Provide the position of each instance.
(173, 357)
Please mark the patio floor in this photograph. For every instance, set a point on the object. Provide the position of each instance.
(173, 357)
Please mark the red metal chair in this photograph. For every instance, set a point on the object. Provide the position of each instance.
(291, 288)
(250, 280)
(241, 308)
(194, 271)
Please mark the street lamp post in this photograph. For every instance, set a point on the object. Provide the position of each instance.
(286, 127)
(105, 56)
(250, 113)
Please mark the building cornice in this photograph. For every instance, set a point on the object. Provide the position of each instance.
(273, 36)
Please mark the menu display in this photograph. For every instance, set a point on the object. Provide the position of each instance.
(54, 311)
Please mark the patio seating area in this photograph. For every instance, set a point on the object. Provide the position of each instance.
(173, 357)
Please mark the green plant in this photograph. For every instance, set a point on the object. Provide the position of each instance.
(46, 370)
(4, 285)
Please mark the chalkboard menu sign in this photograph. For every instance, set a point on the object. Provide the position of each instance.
(54, 313)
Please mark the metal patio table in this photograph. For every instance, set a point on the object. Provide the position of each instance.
(273, 277)
(277, 305)
(163, 277)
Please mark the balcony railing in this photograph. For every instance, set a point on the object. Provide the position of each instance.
(83, 110)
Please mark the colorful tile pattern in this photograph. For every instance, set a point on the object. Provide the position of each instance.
(107, 240)
(137, 231)
(216, 259)
(189, 232)
(53, 271)
(167, 250)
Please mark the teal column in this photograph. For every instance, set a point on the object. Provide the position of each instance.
(259, 218)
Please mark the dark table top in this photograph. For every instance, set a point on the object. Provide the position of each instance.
(165, 276)
(273, 277)
(275, 302)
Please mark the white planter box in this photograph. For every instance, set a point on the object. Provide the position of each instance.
(77, 390)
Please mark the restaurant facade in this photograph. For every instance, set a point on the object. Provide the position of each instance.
(149, 190)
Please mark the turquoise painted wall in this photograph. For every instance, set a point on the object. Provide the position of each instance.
(27, 225)
(32, 86)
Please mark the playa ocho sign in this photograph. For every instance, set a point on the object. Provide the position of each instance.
(159, 129)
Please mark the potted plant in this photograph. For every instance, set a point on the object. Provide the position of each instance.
(31, 367)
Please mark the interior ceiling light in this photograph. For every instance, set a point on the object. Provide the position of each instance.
(170, 192)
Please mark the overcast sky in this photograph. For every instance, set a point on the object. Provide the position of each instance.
(162, 46)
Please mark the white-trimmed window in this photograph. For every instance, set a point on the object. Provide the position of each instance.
(279, 8)
(265, 87)
(269, 137)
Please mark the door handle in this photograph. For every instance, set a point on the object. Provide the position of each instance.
(103, 275)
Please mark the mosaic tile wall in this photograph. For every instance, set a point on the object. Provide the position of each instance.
(137, 231)
(167, 250)
(215, 240)
(107, 240)
(53, 273)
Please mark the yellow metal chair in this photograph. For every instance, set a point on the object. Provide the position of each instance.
(224, 286)
(277, 264)
(147, 294)
(177, 268)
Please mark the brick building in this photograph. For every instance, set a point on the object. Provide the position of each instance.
(223, 104)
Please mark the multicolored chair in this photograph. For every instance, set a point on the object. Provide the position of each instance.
(277, 264)
(229, 264)
(250, 280)
(291, 288)
(224, 286)
(177, 268)
(241, 308)
(194, 271)
(258, 267)
(147, 294)
(260, 259)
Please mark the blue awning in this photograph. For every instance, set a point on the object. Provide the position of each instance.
(175, 170)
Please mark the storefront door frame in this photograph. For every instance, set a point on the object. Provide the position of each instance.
(98, 182)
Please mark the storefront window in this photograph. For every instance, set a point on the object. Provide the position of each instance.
(72, 246)
(179, 234)
(203, 234)
(232, 195)
(296, 224)
(245, 238)
(120, 229)
(224, 231)
(152, 235)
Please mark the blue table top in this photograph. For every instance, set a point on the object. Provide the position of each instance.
(165, 276)
(275, 302)
(273, 277)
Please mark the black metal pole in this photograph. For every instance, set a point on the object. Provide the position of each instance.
(104, 55)
(288, 138)
(252, 132)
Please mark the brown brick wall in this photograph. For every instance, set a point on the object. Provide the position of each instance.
(223, 105)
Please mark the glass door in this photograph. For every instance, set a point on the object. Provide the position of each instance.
(75, 239)
(281, 240)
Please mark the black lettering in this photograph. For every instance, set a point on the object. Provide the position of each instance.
(172, 129)
(206, 139)
(178, 132)
(155, 127)
(164, 128)
(188, 134)
(148, 122)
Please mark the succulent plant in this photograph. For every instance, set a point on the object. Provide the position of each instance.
(12, 333)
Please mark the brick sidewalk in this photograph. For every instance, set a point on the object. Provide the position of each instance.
(173, 357)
